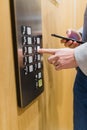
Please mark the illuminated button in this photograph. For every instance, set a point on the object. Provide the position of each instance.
(31, 68)
(28, 30)
(30, 59)
(29, 50)
(38, 40)
(40, 83)
(39, 65)
(39, 75)
(29, 40)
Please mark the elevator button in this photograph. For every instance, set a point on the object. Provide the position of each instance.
(39, 65)
(38, 40)
(25, 60)
(28, 30)
(24, 40)
(35, 66)
(40, 83)
(29, 50)
(25, 50)
(26, 70)
(23, 30)
(29, 40)
(39, 57)
(37, 84)
(36, 76)
(34, 40)
(30, 59)
(39, 75)
(31, 68)
(35, 49)
(38, 47)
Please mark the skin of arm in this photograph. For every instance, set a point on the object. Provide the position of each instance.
(64, 58)
(61, 58)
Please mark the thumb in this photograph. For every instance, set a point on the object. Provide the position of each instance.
(47, 51)
(68, 32)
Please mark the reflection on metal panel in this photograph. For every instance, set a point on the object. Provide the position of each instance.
(29, 12)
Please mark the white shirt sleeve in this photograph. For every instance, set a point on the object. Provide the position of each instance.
(81, 57)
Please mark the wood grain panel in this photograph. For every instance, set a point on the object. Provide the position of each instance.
(58, 85)
(8, 106)
(52, 110)
(80, 7)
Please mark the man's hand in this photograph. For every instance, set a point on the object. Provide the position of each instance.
(60, 58)
(72, 34)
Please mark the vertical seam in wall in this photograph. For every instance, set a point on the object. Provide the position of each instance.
(75, 3)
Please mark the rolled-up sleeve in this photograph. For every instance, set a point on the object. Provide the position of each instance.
(81, 57)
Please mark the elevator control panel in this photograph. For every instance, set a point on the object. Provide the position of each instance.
(27, 39)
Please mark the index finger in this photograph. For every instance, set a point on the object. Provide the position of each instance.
(47, 51)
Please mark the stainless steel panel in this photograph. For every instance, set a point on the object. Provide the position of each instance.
(26, 14)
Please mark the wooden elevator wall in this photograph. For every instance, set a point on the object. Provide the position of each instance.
(53, 110)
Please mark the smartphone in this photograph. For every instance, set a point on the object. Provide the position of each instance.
(66, 38)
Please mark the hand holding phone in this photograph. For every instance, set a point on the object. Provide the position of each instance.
(66, 38)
